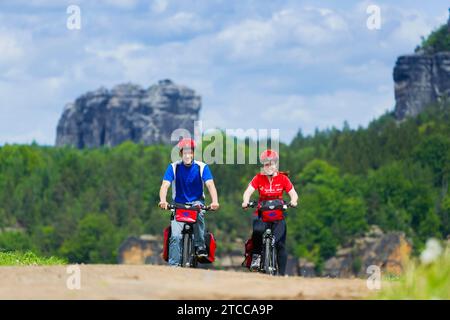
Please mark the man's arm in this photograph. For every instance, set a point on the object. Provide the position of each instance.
(213, 192)
(163, 194)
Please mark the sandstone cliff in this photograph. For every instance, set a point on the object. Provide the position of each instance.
(128, 112)
(420, 80)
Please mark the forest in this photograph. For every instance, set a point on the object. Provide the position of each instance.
(81, 204)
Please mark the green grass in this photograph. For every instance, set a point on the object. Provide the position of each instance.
(421, 282)
(28, 258)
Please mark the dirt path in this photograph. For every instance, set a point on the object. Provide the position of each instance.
(161, 282)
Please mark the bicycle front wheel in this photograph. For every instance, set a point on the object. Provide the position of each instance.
(187, 247)
(274, 264)
(267, 257)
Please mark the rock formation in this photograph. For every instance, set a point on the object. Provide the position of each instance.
(420, 80)
(388, 251)
(128, 112)
(146, 249)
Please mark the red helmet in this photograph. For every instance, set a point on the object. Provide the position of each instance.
(268, 155)
(186, 143)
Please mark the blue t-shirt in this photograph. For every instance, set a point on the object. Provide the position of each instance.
(188, 183)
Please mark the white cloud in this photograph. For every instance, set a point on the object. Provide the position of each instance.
(9, 49)
(185, 21)
(305, 66)
(288, 113)
(159, 6)
(31, 110)
(248, 38)
(120, 52)
(412, 27)
(287, 29)
(370, 72)
(146, 64)
(122, 4)
(12, 46)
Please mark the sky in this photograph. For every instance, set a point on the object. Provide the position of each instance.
(287, 65)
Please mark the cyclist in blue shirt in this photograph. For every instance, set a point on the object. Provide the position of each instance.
(187, 178)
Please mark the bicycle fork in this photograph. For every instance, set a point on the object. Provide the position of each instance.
(188, 259)
(270, 257)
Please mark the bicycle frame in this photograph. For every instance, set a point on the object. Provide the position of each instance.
(188, 257)
(269, 261)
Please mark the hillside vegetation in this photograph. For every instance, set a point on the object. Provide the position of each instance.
(81, 204)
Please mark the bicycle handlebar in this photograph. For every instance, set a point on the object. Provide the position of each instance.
(253, 204)
(172, 207)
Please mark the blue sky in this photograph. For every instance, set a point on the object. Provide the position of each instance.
(257, 64)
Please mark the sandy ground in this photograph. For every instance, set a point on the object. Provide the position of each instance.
(162, 282)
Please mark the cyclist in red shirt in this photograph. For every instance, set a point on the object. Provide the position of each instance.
(270, 184)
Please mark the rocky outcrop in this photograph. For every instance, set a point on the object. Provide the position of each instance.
(128, 112)
(306, 268)
(420, 80)
(388, 251)
(146, 249)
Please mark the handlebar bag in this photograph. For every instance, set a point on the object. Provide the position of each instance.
(186, 215)
(272, 215)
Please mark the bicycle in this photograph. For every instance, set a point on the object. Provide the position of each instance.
(270, 212)
(188, 215)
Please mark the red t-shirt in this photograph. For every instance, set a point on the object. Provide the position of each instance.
(271, 190)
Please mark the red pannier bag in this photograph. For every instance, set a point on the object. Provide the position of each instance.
(186, 215)
(248, 253)
(210, 243)
(272, 215)
(167, 234)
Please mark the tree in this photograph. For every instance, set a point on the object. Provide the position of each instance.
(15, 241)
(328, 215)
(95, 240)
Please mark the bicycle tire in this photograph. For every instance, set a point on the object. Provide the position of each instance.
(194, 261)
(267, 256)
(274, 261)
(187, 247)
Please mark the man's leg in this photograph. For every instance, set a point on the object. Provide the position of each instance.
(175, 243)
(199, 230)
